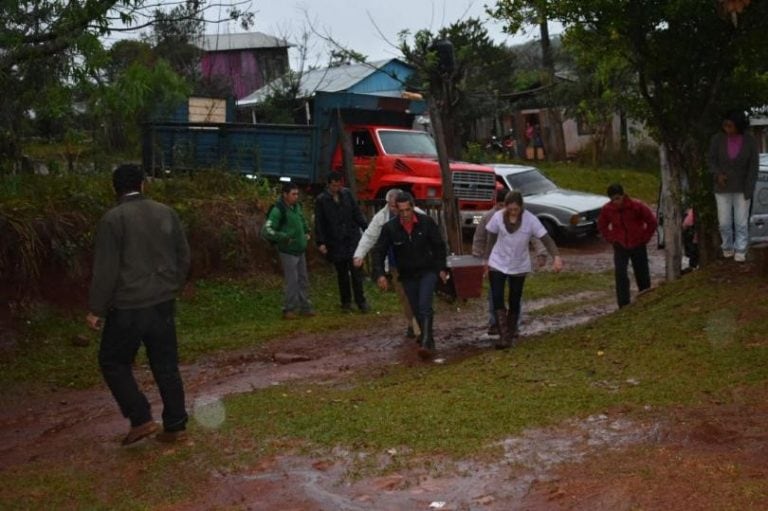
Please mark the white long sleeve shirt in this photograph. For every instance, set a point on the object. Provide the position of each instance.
(372, 233)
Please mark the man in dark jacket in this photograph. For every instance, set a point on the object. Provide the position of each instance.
(419, 250)
(628, 225)
(339, 223)
(141, 259)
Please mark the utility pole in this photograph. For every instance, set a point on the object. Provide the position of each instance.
(438, 95)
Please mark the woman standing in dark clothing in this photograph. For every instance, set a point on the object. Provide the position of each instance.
(733, 163)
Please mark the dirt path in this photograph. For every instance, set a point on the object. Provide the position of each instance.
(569, 466)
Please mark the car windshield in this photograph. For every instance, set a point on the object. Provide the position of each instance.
(530, 182)
(407, 142)
(764, 160)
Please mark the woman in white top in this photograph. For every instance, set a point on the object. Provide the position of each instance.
(508, 260)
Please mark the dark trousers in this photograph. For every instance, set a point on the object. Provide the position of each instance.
(498, 281)
(346, 272)
(124, 331)
(621, 258)
(420, 291)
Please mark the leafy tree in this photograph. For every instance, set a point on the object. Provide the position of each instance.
(517, 15)
(46, 46)
(470, 90)
(691, 62)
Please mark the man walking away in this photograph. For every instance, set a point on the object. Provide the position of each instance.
(338, 227)
(141, 260)
(628, 225)
(420, 252)
(287, 228)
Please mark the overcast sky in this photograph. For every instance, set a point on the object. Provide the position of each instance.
(366, 26)
(354, 23)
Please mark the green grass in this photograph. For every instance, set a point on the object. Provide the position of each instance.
(637, 184)
(688, 342)
(683, 343)
(218, 315)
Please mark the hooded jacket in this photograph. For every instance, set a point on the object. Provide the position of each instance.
(630, 225)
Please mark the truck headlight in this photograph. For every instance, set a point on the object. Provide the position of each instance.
(577, 219)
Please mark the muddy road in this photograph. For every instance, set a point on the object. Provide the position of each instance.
(562, 467)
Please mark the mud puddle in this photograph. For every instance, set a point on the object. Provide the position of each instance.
(54, 423)
(527, 460)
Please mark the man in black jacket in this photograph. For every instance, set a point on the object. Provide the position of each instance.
(419, 249)
(141, 259)
(339, 223)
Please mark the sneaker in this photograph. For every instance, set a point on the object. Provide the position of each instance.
(290, 315)
(171, 437)
(308, 314)
(740, 257)
(727, 253)
(139, 432)
(364, 307)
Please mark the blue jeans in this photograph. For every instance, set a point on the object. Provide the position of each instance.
(733, 217)
(420, 291)
(124, 331)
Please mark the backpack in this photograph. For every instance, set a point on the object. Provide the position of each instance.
(280, 223)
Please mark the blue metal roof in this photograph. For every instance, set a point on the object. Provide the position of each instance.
(382, 77)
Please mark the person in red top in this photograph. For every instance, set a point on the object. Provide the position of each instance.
(628, 225)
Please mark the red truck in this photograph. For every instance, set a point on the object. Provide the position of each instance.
(387, 157)
(387, 152)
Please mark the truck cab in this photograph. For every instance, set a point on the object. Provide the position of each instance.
(386, 157)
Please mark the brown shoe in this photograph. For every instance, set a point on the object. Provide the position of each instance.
(308, 314)
(171, 437)
(139, 432)
(290, 315)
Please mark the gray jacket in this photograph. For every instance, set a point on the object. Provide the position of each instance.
(740, 172)
(141, 256)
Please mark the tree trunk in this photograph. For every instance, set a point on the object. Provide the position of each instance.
(671, 198)
(348, 155)
(450, 205)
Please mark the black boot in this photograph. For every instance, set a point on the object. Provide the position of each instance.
(420, 336)
(512, 330)
(501, 322)
(426, 341)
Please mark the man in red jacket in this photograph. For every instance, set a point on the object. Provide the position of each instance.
(628, 225)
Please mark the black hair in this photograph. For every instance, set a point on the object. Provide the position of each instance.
(405, 197)
(289, 186)
(738, 118)
(615, 189)
(127, 178)
(334, 177)
(514, 197)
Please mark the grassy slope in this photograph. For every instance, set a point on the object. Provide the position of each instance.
(687, 342)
